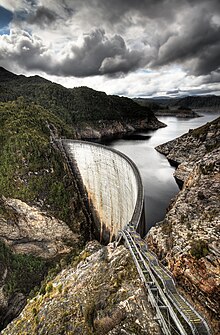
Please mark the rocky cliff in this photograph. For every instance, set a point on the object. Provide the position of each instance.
(30, 240)
(104, 129)
(29, 230)
(99, 293)
(187, 240)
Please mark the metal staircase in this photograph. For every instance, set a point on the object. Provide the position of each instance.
(174, 314)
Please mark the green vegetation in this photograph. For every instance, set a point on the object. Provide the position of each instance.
(71, 105)
(33, 170)
(199, 249)
(30, 168)
(24, 271)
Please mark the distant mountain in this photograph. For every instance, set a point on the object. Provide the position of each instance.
(198, 102)
(166, 107)
(193, 102)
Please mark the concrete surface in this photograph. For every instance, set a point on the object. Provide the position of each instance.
(112, 183)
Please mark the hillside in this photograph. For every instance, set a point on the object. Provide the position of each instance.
(44, 223)
(100, 293)
(89, 112)
(206, 103)
(187, 240)
(167, 107)
(199, 102)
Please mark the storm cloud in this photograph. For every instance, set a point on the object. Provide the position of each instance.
(197, 41)
(42, 16)
(95, 54)
(113, 38)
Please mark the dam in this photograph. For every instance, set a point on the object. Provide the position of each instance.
(113, 187)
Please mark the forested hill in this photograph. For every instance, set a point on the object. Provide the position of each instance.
(72, 105)
(193, 102)
(207, 101)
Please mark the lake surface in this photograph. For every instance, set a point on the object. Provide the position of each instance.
(157, 174)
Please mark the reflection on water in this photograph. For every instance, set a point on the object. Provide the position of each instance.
(156, 172)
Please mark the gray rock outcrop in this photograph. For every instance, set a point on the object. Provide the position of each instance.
(99, 294)
(29, 230)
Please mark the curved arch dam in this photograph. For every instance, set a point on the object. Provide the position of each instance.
(112, 185)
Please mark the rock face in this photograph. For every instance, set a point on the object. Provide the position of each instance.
(107, 129)
(186, 150)
(29, 230)
(188, 238)
(181, 113)
(100, 295)
(34, 240)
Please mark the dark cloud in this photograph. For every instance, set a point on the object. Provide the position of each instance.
(185, 33)
(198, 41)
(173, 92)
(124, 35)
(197, 91)
(97, 55)
(213, 77)
(42, 16)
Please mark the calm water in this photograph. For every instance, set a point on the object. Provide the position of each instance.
(156, 172)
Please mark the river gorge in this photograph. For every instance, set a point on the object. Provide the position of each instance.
(156, 172)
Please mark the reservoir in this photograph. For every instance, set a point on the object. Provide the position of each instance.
(157, 174)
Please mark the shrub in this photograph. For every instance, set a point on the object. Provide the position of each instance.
(199, 249)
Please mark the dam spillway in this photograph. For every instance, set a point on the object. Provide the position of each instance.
(112, 184)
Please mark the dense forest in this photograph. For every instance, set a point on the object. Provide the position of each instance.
(72, 105)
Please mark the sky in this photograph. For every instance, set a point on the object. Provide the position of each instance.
(135, 48)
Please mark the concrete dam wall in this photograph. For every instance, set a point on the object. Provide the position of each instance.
(112, 184)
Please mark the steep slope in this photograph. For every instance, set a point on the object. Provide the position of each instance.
(100, 294)
(188, 238)
(92, 113)
(33, 171)
(191, 147)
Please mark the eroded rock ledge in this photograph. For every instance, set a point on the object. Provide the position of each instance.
(37, 239)
(188, 239)
(113, 128)
(189, 148)
(29, 230)
(102, 294)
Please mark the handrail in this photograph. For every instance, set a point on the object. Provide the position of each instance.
(196, 323)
